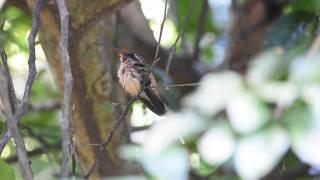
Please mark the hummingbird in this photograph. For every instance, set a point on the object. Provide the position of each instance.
(137, 81)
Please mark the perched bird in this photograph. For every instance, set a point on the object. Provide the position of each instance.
(134, 78)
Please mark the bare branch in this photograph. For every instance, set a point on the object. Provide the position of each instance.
(140, 128)
(12, 97)
(181, 33)
(161, 30)
(13, 127)
(104, 145)
(12, 94)
(125, 112)
(32, 71)
(46, 106)
(182, 85)
(68, 85)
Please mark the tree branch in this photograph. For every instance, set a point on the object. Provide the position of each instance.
(32, 71)
(161, 29)
(13, 127)
(12, 94)
(104, 145)
(125, 112)
(68, 85)
(46, 106)
(181, 33)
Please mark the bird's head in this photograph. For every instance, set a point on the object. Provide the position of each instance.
(123, 56)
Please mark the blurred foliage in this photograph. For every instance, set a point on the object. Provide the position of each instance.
(243, 127)
(16, 30)
(40, 129)
(231, 127)
(7, 172)
(252, 123)
(182, 8)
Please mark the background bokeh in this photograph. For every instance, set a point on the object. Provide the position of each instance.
(259, 123)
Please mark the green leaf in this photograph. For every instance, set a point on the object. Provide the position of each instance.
(310, 6)
(6, 171)
(258, 154)
(269, 65)
(214, 92)
(289, 31)
(247, 113)
(182, 10)
(304, 132)
(173, 128)
(276, 92)
(171, 163)
(217, 144)
(305, 70)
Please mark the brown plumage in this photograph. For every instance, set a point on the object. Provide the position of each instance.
(132, 73)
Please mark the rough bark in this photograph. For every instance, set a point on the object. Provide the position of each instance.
(93, 115)
(93, 68)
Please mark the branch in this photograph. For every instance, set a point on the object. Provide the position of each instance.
(125, 112)
(13, 127)
(68, 85)
(161, 30)
(12, 94)
(140, 128)
(181, 33)
(46, 106)
(12, 97)
(32, 153)
(182, 85)
(32, 71)
(104, 145)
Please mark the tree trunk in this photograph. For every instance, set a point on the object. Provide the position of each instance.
(250, 20)
(95, 29)
(91, 21)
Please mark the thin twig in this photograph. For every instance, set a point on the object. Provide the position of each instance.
(13, 127)
(12, 97)
(140, 128)
(182, 85)
(35, 152)
(176, 85)
(161, 30)
(12, 94)
(181, 33)
(32, 71)
(68, 85)
(46, 106)
(103, 146)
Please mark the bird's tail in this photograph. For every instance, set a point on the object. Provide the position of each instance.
(153, 102)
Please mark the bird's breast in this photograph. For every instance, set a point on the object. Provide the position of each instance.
(129, 80)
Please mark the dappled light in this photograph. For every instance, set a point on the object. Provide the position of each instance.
(162, 89)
